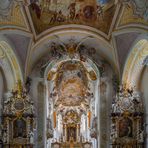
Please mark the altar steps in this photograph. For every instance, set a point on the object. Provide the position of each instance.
(71, 146)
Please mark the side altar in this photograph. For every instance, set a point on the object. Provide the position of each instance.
(18, 120)
(127, 120)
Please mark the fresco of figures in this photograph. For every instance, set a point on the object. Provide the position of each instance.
(49, 13)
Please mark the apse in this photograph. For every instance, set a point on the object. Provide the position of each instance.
(72, 99)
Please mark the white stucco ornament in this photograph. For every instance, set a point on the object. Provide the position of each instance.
(2, 54)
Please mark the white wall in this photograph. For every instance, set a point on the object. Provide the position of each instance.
(1, 91)
(144, 90)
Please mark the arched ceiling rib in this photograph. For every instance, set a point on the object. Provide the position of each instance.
(21, 43)
(134, 63)
(124, 43)
(9, 63)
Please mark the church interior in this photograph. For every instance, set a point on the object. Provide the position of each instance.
(73, 74)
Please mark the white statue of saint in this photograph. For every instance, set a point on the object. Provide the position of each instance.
(5, 137)
(31, 137)
(141, 136)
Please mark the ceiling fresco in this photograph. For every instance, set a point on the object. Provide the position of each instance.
(137, 15)
(71, 84)
(15, 18)
(94, 13)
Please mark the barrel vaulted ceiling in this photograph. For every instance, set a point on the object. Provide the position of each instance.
(31, 26)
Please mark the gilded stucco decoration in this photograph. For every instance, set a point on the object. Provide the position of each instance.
(71, 117)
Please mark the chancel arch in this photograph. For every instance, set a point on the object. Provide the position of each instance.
(72, 103)
(72, 76)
